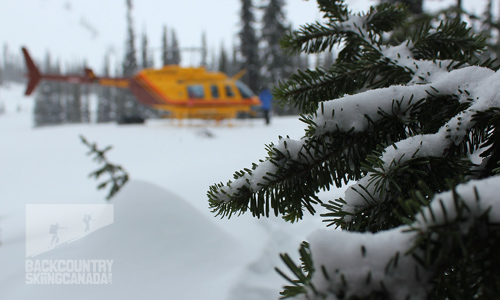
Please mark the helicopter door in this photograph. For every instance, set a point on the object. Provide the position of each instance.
(229, 91)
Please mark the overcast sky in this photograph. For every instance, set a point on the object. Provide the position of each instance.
(77, 29)
(74, 30)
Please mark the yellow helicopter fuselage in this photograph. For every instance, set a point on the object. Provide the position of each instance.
(192, 93)
(178, 91)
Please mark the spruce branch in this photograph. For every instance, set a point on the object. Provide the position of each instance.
(451, 40)
(362, 62)
(448, 250)
(335, 10)
(416, 126)
(302, 168)
(306, 89)
(118, 177)
(361, 30)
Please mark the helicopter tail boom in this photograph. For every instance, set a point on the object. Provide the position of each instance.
(35, 76)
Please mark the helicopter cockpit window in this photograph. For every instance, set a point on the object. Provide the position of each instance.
(229, 91)
(245, 91)
(215, 91)
(196, 91)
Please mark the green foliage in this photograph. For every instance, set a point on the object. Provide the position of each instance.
(303, 272)
(361, 63)
(416, 126)
(464, 261)
(336, 157)
(118, 177)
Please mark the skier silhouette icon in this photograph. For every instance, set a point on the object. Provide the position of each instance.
(54, 230)
(86, 220)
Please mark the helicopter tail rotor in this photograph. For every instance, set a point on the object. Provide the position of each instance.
(34, 75)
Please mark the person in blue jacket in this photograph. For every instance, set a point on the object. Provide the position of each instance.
(266, 98)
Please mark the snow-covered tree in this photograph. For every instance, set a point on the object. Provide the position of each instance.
(413, 129)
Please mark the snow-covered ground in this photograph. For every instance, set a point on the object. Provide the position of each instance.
(163, 242)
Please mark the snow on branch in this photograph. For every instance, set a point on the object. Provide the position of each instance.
(358, 113)
(392, 262)
(476, 80)
(344, 131)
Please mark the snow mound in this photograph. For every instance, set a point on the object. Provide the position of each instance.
(159, 245)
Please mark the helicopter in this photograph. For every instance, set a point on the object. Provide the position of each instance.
(178, 92)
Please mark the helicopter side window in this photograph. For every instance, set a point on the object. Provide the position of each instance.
(215, 91)
(229, 91)
(196, 91)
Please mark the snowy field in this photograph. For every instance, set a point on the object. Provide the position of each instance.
(163, 241)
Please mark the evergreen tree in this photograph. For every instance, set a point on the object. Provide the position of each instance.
(328, 59)
(276, 65)
(491, 29)
(105, 98)
(249, 46)
(117, 176)
(146, 57)
(13, 67)
(223, 60)
(127, 106)
(85, 108)
(413, 127)
(70, 96)
(5, 60)
(83, 94)
(300, 62)
(175, 51)
(41, 113)
(204, 50)
(130, 65)
(165, 54)
(414, 6)
(213, 63)
(234, 66)
(48, 109)
(73, 109)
